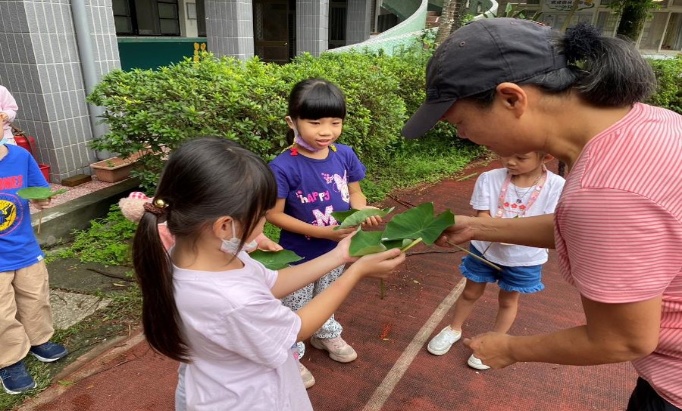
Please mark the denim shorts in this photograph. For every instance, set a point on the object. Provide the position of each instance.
(524, 280)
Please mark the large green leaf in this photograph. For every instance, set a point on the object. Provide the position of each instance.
(39, 193)
(352, 218)
(275, 260)
(342, 215)
(418, 222)
(396, 243)
(366, 242)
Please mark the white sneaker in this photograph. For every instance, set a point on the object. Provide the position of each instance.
(441, 343)
(474, 362)
(338, 349)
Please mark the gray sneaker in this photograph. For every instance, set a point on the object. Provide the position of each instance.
(441, 343)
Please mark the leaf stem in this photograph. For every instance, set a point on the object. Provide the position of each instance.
(412, 244)
(483, 260)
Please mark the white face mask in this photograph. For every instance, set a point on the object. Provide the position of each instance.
(231, 246)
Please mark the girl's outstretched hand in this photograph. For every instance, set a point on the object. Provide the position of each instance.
(372, 221)
(41, 204)
(343, 247)
(266, 244)
(379, 265)
(337, 235)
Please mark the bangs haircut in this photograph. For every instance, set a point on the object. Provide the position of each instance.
(317, 98)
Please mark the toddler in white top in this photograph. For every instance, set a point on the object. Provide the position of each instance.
(523, 188)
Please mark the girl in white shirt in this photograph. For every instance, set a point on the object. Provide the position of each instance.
(206, 303)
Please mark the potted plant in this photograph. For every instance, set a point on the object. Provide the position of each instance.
(114, 169)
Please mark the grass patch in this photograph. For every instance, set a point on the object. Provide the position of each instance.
(119, 318)
(426, 161)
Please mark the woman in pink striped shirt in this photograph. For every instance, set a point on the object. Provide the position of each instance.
(515, 86)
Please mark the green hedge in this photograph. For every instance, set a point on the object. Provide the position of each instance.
(246, 102)
(669, 77)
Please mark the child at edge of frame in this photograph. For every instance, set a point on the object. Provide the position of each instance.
(26, 325)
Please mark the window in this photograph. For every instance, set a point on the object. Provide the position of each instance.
(673, 34)
(122, 17)
(606, 22)
(653, 31)
(146, 17)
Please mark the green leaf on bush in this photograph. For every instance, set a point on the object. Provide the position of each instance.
(352, 218)
(39, 193)
(275, 260)
(418, 222)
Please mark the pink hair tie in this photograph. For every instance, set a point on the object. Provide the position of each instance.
(139, 195)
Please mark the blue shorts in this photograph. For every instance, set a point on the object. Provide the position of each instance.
(524, 280)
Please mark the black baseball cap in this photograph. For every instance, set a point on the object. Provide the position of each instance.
(478, 57)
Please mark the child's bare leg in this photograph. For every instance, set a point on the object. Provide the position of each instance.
(508, 306)
(465, 303)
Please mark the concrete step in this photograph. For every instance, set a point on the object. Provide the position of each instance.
(58, 223)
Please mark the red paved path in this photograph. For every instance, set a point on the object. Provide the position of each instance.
(393, 372)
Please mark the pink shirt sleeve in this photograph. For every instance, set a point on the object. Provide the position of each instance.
(624, 252)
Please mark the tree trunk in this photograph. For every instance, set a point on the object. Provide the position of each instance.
(450, 19)
(632, 19)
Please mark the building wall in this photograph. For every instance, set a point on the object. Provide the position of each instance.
(312, 29)
(42, 68)
(660, 35)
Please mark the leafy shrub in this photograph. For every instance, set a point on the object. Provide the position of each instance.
(105, 242)
(669, 78)
(158, 110)
(246, 102)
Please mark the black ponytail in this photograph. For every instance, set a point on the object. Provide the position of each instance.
(610, 71)
(160, 317)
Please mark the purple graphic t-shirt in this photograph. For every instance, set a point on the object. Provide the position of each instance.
(313, 189)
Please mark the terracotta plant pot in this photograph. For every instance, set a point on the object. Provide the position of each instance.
(114, 169)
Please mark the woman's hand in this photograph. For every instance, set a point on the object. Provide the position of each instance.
(491, 348)
(458, 233)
